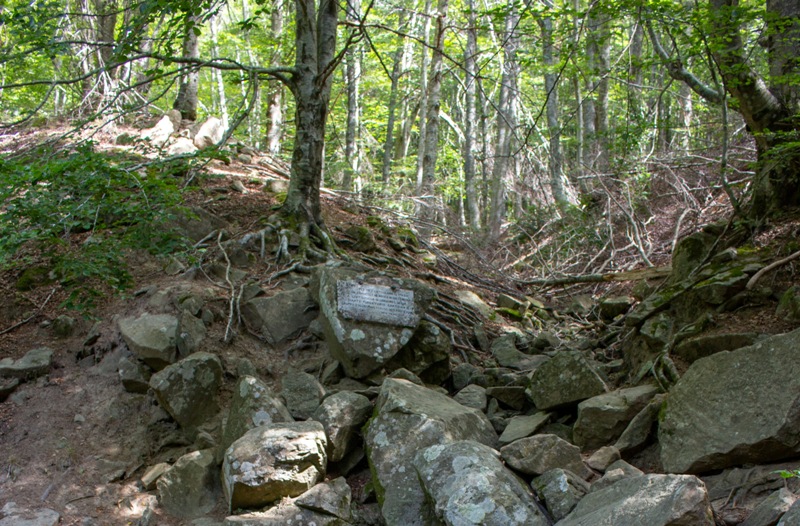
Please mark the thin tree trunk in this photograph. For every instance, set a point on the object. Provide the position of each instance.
(274, 87)
(423, 103)
(431, 145)
(388, 144)
(506, 122)
(473, 213)
(217, 74)
(353, 75)
(186, 101)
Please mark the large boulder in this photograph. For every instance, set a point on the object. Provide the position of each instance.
(427, 354)
(755, 391)
(253, 404)
(469, 485)
(566, 379)
(602, 419)
(281, 316)
(367, 318)
(159, 134)
(209, 134)
(190, 488)
(654, 500)
(342, 415)
(12, 515)
(151, 337)
(273, 461)
(561, 490)
(187, 390)
(410, 418)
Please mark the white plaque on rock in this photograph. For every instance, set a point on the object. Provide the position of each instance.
(376, 303)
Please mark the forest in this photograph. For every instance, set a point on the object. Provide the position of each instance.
(524, 118)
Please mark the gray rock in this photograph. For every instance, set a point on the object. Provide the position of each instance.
(654, 500)
(614, 473)
(613, 306)
(603, 457)
(281, 316)
(63, 326)
(465, 374)
(695, 431)
(469, 485)
(561, 490)
(151, 337)
(512, 396)
(189, 334)
(152, 474)
(410, 418)
(658, 330)
(539, 453)
(15, 516)
(329, 498)
(181, 146)
(283, 515)
(7, 386)
(506, 353)
(273, 461)
(639, 429)
(189, 488)
(689, 253)
(135, 376)
(523, 426)
(35, 363)
(603, 418)
(364, 347)
(792, 516)
(427, 354)
(692, 349)
(565, 379)
(302, 393)
(470, 299)
(253, 404)
(209, 134)
(197, 223)
(187, 390)
(159, 134)
(771, 509)
(473, 396)
(342, 415)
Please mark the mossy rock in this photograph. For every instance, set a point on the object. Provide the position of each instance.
(510, 313)
(407, 236)
(363, 240)
(33, 277)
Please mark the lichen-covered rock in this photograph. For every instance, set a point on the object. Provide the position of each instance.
(410, 418)
(469, 485)
(654, 500)
(151, 337)
(561, 490)
(540, 453)
(523, 426)
(692, 349)
(342, 415)
(189, 334)
(427, 354)
(273, 461)
(365, 339)
(302, 393)
(134, 375)
(281, 316)
(187, 390)
(789, 305)
(473, 396)
(771, 509)
(190, 488)
(567, 378)
(506, 353)
(253, 404)
(695, 432)
(603, 418)
(640, 428)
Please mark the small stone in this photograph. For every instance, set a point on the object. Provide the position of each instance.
(602, 458)
(152, 474)
(523, 426)
(79, 419)
(473, 396)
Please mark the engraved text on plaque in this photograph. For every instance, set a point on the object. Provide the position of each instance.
(376, 303)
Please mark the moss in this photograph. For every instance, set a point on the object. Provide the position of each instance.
(510, 313)
(33, 277)
(407, 236)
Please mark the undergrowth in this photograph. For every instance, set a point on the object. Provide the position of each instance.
(78, 214)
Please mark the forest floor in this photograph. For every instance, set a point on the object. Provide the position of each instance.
(76, 442)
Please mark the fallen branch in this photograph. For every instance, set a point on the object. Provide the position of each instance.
(758, 275)
(628, 275)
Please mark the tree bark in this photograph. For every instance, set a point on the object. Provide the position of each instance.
(353, 78)
(275, 87)
(186, 100)
(315, 43)
(473, 213)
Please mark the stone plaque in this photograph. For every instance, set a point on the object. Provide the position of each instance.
(376, 303)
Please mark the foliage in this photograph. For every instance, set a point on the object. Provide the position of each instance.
(83, 214)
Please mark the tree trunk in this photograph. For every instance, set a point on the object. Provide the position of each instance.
(423, 102)
(473, 213)
(506, 122)
(353, 77)
(315, 43)
(388, 144)
(186, 101)
(275, 87)
(431, 146)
